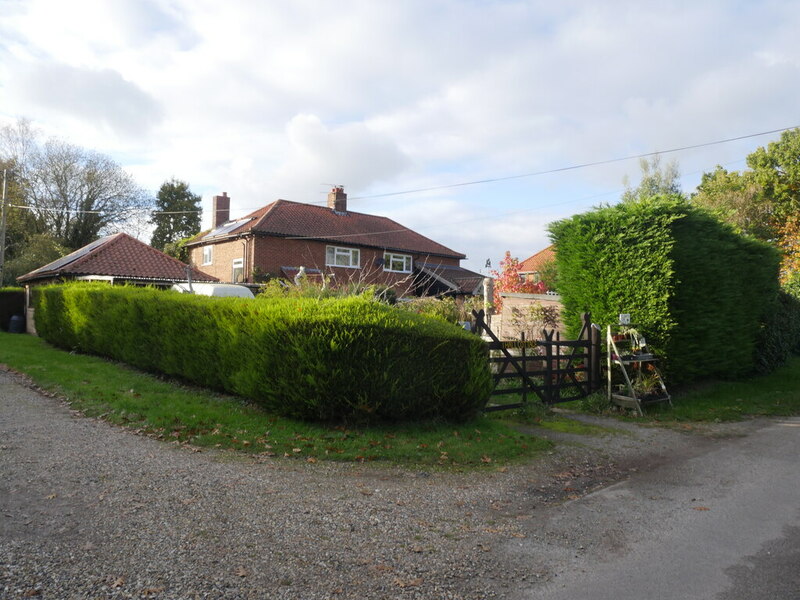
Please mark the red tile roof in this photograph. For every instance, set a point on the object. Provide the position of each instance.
(120, 256)
(534, 264)
(284, 218)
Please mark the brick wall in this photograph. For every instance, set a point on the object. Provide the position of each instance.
(269, 254)
(222, 259)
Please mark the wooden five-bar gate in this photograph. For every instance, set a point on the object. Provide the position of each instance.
(553, 369)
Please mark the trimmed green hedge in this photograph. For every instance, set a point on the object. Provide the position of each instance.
(698, 291)
(335, 359)
(12, 302)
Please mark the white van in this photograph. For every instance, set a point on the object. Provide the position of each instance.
(218, 290)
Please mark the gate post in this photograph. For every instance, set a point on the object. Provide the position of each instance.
(548, 369)
(595, 357)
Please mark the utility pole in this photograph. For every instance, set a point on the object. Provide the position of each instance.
(3, 229)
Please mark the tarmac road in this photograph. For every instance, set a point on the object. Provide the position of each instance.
(721, 523)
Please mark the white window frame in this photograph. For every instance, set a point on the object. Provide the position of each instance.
(238, 263)
(208, 255)
(392, 259)
(352, 257)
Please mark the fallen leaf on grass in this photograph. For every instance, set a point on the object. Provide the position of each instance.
(485, 459)
(311, 459)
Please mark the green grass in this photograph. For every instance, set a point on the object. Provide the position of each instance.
(567, 425)
(189, 415)
(537, 414)
(775, 394)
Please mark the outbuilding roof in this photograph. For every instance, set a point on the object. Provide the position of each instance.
(119, 256)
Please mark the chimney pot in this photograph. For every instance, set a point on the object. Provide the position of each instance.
(337, 200)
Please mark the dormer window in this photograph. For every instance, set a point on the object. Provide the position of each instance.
(336, 256)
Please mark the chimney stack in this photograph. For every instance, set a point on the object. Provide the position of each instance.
(220, 210)
(337, 200)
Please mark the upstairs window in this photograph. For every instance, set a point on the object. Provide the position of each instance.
(396, 263)
(342, 257)
(208, 255)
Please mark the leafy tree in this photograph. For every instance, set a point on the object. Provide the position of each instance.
(776, 169)
(737, 199)
(39, 249)
(656, 181)
(176, 216)
(74, 194)
(20, 223)
(508, 279)
(763, 201)
(178, 248)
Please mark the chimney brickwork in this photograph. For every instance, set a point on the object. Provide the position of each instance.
(337, 200)
(220, 210)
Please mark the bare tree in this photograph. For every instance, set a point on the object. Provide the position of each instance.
(75, 194)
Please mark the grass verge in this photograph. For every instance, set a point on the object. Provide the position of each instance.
(773, 395)
(198, 417)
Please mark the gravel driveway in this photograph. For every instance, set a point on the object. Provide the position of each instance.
(90, 510)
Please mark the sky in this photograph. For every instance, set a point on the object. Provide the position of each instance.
(284, 99)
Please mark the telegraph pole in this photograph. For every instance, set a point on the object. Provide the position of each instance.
(3, 229)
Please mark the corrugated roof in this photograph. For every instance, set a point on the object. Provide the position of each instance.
(288, 219)
(118, 255)
(534, 264)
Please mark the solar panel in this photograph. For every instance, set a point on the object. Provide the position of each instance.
(72, 257)
(226, 228)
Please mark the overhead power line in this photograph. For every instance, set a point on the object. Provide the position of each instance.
(477, 181)
(572, 167)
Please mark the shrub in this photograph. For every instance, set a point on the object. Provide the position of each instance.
(698, 291)
(445, 309)
(337, 359)
(308, 288)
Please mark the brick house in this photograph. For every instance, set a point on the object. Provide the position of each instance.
(531, 268)
(330, 241)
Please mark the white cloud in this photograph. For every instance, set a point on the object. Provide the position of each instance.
(101, 99)
(279, 99)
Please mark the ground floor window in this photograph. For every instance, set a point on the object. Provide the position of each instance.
(397, 263)
(238, 270)
(342, 257)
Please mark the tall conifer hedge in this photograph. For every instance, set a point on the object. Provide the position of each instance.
(698, 291)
